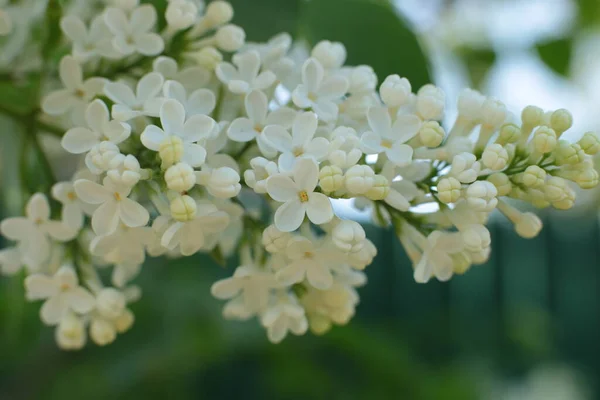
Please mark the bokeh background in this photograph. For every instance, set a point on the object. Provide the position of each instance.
(524, 326)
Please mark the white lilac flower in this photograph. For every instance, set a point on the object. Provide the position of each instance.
(100, 128)
(144, 101)
(388, 138)
(34, 231)
(11, 260)
(132, 34)
(319, 92)
(114, 205)
(282, 316)
(200, 101)
(89, 42)
(302, 143)
(192, 78)
(123, 246)
(252, 128)
(244, 74)
(76, 94)
(297, 193)
(175, 141)
(436, 258)
(62, 293)
(307, 262)
(73, 208)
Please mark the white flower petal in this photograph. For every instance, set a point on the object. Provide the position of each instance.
(289, 215)
(106, 218)
(278, 138)
(79, 140)
(304, 128)
(226, 288)
(371, 143)
(194, 154)
(172, 117)
(70, 73)
(256, 106)
(291, 274)
(406, 127)
(58, 102)
(319, 209)
(400, 154)
(80, 300)
(91, 192)
(312, 74)
(281, 188)
(37, 208)
(175, 90)
(97, 115)
(39, 286)
(334, 87)
(132, 213)
(143, 18)
(198, 127)
(73, 28)
(319, 276)
(306, 175)
(241, 130)
(149, 44)
(201, 101)
(17, 228)
(149, 86)
(120, 93)
(54, 309)
(152, 137)
(380, 121)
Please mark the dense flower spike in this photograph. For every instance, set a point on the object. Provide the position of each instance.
(193, 139)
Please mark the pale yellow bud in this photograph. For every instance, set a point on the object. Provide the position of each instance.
(566, 202)
(431, 134)
(502, 183)
(587, 179)
(534, 176)
(494, 157)
(183, 208)
(509, 133)
(331, 178)
(532, 116)
(124, 321)
(180, 177)
(561, 120)
(568, 153)
(555, 189)
(544, 140)
(170, 151)
(380, 188)
(449, 190)
(590, 143)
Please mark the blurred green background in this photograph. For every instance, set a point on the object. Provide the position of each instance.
(524, 326)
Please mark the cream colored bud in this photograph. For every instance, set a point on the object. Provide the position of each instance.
(449, 190)
(395, 91)
(110, 303)
(170, 151)
(494, 157)
(476, 238)
(359, 179)
(587, 179)
(348, 236)
(544, 140)
(183, 208)
(590, 143)
(102, 332)
(124, 321)
(568, 153)
(70, 333)
(493, 113)
(555, 189)
(208, 57)
(230, 38)
(331, 178)
(509, 133)
(380, 188)
(566, 202)
(219, 12)
(330, 54)
(532, 116)
(180, 177)
(501, 182)
(528, 225)
(561, 120)
(461, 262)
(431, 134)
(481, 196)
(534, 176)
(275, 240)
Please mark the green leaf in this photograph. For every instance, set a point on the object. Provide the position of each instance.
(373, 33)
(478, 63)
(557, 54)
(262, 19)
(19, 97)
(589, 12)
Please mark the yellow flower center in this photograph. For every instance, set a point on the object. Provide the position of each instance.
(298, 151)
(308, 254)
(71, 196)
(117, 196)
(386, 143)
(258, 128)
(312, 97)
(79, 93)
(303, 196)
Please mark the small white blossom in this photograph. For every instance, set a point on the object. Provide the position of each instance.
(244, 74)
(144, 101)
(132, 34)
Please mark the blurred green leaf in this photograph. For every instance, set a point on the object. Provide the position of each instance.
(19, 97)
(589, 12)
(262, 19)
(161, 8)
(478, 63)
(557, 54)
(373, 33)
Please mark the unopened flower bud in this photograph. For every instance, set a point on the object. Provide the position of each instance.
(590, 143)
(230, 38)
(501, 182)
(110, 303)
(430, 102)
(561, 120)
(568, 153)
(431, 134)
(331, 55)
(362, 79)
(101, 157)
(181, 14)
(544, 140)
(461, 262)
(534, 176)
(183, 208)
(224, 183)
(359, 179)
(493, 113)
(509, 133)
(102, 332)
(218, 12)
(469, 104)
(331, 178)
(125, 170)
(567, 201)
(465, 167)
(348, 236)
(532, 116)
(275, 240)
(587, 179)
(70, 332)
(395, 91)
(481, 256)
(380, 188)
(481, 196)
(449, 190)
(208, 57)
(124, 321)
(180, 177)
(555, 189)
(495, 157)
(528, 225)
(170, 150)
(476, 237)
